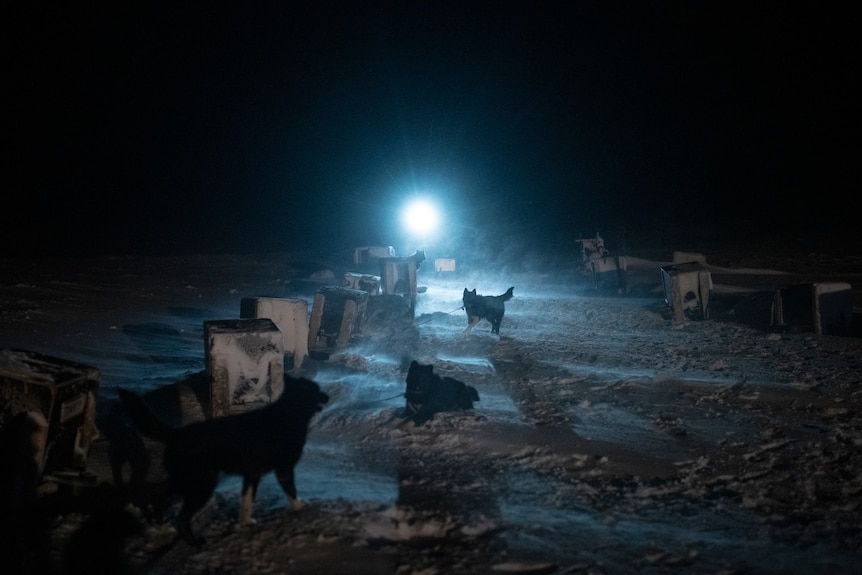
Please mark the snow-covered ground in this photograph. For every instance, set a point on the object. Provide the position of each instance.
(607, 439)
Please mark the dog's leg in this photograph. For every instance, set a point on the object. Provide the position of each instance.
(195, 496)
(249, 492)
(286, 480)
(470, 323)
(498, 320)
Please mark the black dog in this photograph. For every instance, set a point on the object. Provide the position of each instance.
(428, 393)
(490, 307)
(249, 444)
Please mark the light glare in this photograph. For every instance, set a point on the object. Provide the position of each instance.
(420, 217)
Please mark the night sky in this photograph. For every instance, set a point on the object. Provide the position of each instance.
(162, 128)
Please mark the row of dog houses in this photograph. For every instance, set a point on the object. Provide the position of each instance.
(246, 358)
(820, 307)
(823, 307)
(52, 400)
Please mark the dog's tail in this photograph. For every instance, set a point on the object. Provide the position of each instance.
(508, 295)
(145, 420)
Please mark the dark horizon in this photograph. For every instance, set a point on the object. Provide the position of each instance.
(166, 129)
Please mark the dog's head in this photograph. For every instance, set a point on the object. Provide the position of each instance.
(304, 394)
(420, 378)
(468, 295)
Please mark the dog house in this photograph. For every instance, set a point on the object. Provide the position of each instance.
(687, 289)
(245, 363)
(824, 308)
(56, 392)
(609, 274)
(591, 249)
(398, 277)
(291, 317)
(336, 314)
(444, 265)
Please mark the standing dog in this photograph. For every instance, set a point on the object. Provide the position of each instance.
(490, 307)
(249, 444)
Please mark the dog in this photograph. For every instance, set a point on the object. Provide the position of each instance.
(489, 307)
(250, 444)
(428, 393)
